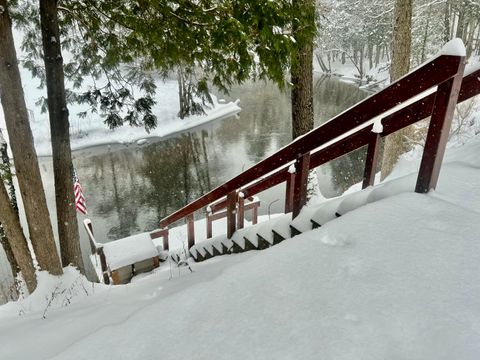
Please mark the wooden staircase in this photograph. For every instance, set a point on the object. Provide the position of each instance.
(433, 90)
(272, 232)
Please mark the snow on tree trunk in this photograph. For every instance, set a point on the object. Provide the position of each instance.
(24, 154)
(16, 239)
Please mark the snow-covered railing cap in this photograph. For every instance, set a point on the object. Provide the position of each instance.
(88, 224)
(454, 47)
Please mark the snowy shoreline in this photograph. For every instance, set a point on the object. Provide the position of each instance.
(92, 131)
(98, 136)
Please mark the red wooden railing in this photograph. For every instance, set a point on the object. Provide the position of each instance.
(349, 131)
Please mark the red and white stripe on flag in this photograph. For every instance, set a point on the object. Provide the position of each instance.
(80, 204)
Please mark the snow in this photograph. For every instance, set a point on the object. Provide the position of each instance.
(281, 225)
(353, 201)
(377, 126)
(394, 279)
(94, 132)
(472, 66)
(129, 250)
(454, 47)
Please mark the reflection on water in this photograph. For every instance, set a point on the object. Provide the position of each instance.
(130, 188)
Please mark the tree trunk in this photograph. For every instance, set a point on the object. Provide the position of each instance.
(446, 22)
(59, 129)
(16, 239)
(370, 54)
(461, 20)
(3, 237)
(24, 154)
(302, 77)
(425, 35)
(377, 55)
(396, 143)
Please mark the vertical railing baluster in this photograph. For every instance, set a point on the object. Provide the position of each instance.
(241, 211)
(231, 213)
(254, 215)
(103, 264)
(371, 160)
(190, 230)
(300, 184)
(438, 131)
(289, 191)
(208, 218)
(165, 240)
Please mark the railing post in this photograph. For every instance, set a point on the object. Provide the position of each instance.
(93, 248)
(241, 211)
(208, 218)
(254, 215)
(165, 240)
(103, 265)
(371, 160)
(190, 231)
(438, 131)
(289, 191)
(302, 167)
(231, 212)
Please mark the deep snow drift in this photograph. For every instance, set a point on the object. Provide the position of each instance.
(395, 279)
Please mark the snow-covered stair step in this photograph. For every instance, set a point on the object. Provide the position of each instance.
(393, 187)
(279, 226)
(353, 201)
(303, 221)
(277, 231)
(206, 249)
(245, 239)
(326, 212)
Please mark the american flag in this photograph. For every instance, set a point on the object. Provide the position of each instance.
(79, 198)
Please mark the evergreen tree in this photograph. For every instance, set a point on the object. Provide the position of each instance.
(121, 45)
(24, 154)
(59, 128)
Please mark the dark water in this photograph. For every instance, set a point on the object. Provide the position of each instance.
(129, 189)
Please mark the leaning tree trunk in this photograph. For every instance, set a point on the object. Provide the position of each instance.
(24, 154)
(3, 237)
(396, 143)
(16, 239)
(59, 129)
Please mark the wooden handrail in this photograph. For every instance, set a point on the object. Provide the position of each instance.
(402, 118)
(437, 71)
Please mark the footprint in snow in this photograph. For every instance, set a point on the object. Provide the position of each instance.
(336, 240)
(351, 318)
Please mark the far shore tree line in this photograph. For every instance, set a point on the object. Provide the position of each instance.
(123, 46)
(359, 32)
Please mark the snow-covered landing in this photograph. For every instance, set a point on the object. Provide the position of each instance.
(395, 279)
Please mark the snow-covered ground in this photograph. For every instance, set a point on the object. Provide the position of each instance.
(395, 279)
